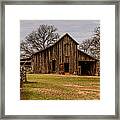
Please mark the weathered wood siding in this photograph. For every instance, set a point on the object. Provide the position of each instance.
(63, 52)
(83, 57)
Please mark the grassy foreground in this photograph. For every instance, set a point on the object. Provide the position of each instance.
(60, 87)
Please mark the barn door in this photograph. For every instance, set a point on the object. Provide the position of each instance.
(66, 67)
(53, 65)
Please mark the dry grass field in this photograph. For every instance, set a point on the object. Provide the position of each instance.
(60, 87)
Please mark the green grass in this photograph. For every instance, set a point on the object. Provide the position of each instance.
(60, 87)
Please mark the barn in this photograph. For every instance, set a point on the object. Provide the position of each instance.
(64, 57)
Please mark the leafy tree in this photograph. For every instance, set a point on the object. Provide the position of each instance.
(40, 39)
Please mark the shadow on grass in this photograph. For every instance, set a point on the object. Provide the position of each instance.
(27, 82)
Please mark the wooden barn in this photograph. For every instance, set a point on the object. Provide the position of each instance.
(64, 57)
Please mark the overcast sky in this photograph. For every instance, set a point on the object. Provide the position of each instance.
(78, 29)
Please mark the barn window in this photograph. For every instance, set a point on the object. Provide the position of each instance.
(60, 59)
(66, 48)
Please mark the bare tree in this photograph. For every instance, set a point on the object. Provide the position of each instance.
(42, 38)
(92, 45)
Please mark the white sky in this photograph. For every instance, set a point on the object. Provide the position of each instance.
(78, 29)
